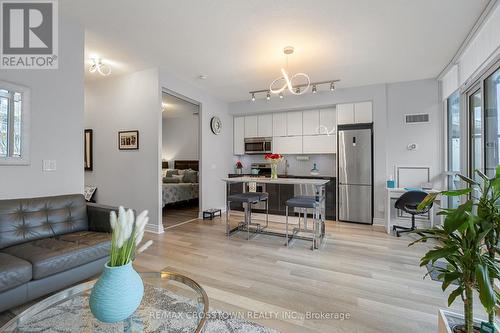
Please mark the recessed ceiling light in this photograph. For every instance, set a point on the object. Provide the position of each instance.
(203, 77)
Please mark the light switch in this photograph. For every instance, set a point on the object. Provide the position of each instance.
(49, 165)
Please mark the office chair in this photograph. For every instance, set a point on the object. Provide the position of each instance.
(409, 202)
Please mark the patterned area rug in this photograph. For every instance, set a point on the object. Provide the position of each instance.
(160, 311)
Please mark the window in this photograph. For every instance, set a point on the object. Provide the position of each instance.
(14, 137)
(453, 124)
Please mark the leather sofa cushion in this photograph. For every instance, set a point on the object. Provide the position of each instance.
(57, 254)
(13, 271)
(24, 220)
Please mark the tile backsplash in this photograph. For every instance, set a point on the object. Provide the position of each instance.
(326, 164)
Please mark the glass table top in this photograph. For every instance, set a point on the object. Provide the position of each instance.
(171, 303)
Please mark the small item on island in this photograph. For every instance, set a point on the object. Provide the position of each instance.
(239, 167)
(314, 170)
(274, 159)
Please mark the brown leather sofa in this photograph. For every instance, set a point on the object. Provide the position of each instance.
(49, 243)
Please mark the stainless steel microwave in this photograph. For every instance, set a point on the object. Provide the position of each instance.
(258, 145)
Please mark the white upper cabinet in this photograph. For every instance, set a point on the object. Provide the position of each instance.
(239, 135)
(354, 113)
(287, 145)
(327, 121)
(363, 112)
(294, 123)
(265, 125)
(310, 122)
(319, 144)
(345, 114)
(279, 124)
(251, 127)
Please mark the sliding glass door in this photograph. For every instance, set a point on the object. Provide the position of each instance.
(475, 107)
(492, 122)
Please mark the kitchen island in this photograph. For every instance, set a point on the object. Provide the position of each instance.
(319, 186)
(280, 193)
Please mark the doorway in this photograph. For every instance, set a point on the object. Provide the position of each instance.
(180, 159)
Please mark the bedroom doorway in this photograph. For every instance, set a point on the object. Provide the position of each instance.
(180, 159)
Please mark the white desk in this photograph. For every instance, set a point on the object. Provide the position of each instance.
(394, 193)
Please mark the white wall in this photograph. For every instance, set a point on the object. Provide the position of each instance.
(129, 178)
(56, 122)
(180, 133)
(216, 150)
(374, 93)
(415, 97)
(390, 103)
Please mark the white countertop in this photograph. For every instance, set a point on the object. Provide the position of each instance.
(267, 180)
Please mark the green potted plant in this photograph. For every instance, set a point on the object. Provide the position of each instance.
(468, 242)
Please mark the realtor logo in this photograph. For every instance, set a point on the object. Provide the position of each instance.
(29, 37)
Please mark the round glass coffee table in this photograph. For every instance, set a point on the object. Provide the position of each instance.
(171, 303)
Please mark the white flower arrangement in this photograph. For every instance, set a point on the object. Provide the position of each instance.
(127, 235)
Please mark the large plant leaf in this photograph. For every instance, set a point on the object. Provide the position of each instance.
(454, 294)
(429, 199)
(448, 278)
(482, 175)
(456, 193)
(468, 180)
(486, 292)
(437, 253)
(458, 217)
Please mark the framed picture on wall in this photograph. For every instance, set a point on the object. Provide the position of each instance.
(128, 140)
(88, 150)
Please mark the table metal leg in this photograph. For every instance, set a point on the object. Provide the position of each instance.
(286, 225)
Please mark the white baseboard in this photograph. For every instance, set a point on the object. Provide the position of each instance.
(378, 221)
(154, 228)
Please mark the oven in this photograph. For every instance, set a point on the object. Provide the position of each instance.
(258, 145)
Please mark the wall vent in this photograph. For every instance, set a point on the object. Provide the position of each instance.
(419, 118)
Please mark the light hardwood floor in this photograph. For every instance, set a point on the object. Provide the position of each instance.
(372, 276)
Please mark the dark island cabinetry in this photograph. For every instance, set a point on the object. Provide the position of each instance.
(280, 193)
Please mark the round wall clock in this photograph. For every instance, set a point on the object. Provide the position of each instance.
(216, 125)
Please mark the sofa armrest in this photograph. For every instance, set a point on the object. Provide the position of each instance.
(98, 216)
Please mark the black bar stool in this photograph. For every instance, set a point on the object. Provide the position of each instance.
(247, 199)
(304, 202)
(408, 203)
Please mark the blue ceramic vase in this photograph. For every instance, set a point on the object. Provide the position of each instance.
(117, 293)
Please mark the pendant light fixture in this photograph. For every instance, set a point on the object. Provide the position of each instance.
(296, 84)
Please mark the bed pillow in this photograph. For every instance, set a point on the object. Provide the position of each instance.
(171, 179)
(181, 172)
(171, 172)
(190, 176)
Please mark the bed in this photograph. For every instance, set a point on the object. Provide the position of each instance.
(184, 190)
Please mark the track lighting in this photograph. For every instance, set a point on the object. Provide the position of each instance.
(297, 90)
(314, 89)
(268, 95)
(281, 95)
(332, 86)
(253, 97)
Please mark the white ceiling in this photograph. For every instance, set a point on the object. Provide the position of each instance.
(238, 43)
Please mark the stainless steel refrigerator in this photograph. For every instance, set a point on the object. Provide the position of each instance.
(355, 173)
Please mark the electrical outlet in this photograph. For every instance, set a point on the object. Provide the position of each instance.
(49, 165)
